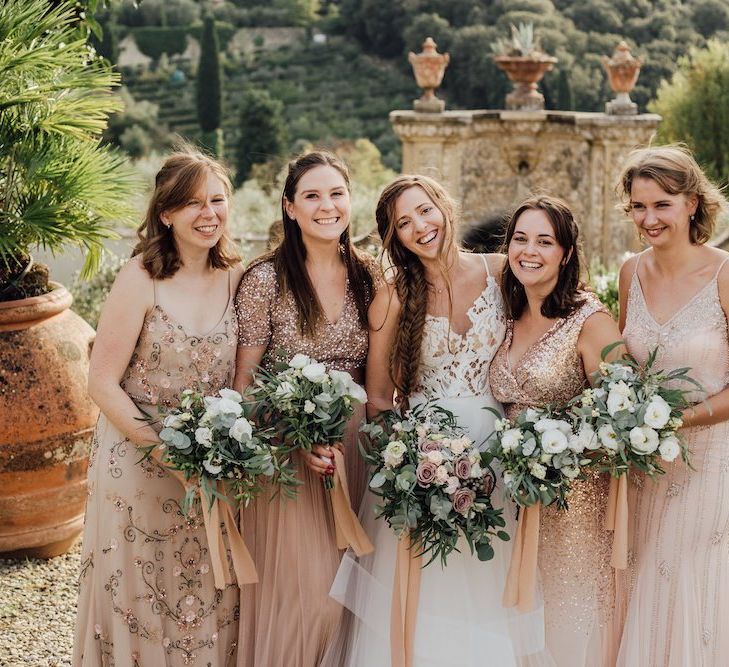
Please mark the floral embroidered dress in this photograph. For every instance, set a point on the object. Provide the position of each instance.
(288, 618)
(574, 547)
(146, 592)
(676, 589)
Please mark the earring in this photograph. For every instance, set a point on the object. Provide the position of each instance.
(692, 217)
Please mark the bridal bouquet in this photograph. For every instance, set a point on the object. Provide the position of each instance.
(213, 442)
(541, 455)
(306, 404)
(433, 481)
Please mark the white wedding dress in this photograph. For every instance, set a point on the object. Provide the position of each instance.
(460, 622)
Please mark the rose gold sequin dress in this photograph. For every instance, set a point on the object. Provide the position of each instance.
(147, 597)
(289, 620)
(574, 548)
(676, 588)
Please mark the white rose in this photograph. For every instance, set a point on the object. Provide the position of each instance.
(173, 421)
(231, 395)
(315, 373)
(643, 440)
(608, 437)
(537, 469)
(241, 430)
(669, 448)
(511, 438)
(542, 425)
(617, 401)
(299, 361)
(285, 390)
(441, 475)
(657, 413)
(458, 445)
(452, 484)
(357, 393)
(554, 441)
(394, 453)
(309, 407)
(435, 457)
(204, 436)
(531, 415)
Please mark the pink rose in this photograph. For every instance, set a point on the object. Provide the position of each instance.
(428, 446)
(425, 473)
(463, 500)
(463, 468)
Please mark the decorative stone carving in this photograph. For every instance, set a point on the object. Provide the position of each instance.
(622, 70)
(429, 67)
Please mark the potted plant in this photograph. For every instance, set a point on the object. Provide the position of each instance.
(524, 62)
(58, 186)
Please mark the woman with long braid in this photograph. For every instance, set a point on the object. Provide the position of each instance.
(433, 331)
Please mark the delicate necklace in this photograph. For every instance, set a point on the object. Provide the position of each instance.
(437, 290)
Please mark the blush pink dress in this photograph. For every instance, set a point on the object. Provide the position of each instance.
(675, 593)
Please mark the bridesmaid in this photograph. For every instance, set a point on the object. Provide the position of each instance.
(146, 586)
(309, 295)
(554, 336)
(675, 296)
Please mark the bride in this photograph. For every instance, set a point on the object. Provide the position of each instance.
(434, 329)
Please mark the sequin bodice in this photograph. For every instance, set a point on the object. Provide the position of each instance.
(694, 337)
(268, 317)
(550, 372)
(168, 359)
(453, 365)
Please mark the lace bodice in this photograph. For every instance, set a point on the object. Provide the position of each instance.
(453, 365)
(695, 336)
(168, 359)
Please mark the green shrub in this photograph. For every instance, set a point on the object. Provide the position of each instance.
(89, 295)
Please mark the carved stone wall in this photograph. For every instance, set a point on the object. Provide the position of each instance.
(490, 160)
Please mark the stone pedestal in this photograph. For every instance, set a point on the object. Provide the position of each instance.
(491, 160)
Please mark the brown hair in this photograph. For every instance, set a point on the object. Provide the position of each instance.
(411, 285)
(289, 256)
(674, 170)
(180, 176)
(566, 295)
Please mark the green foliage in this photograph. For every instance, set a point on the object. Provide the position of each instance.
(209, 95)
(58, 186)
(212, 142)
(154, 41)
(710, 16)
(695, 107)
(262, 131)
(137, 127)
(428, 25)
(565, 99)
(159, 12)
(89, 295)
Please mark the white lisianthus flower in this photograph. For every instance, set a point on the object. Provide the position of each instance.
(221, 406)
(393, 453)
(537, 469)
(441, 475)
(212, 468)
(241, 430)
(204, 436)
(309, 407)
(669, 448)
(231, 395)
(657, 413)
(511, 438)
(617, 401)
(435, 457)
(643, 440)
(542, 425)
(532, 415)
(452, 485)
(357, 393)
(554, 441)
(173, 421)
(608, 437)
(315, 373)
(299, 361)
(619, 388)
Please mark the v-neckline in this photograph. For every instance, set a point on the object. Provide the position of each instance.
(700, 291)
(468, 312)
(514, 367)
(174, 319)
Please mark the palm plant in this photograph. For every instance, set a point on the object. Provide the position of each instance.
(58, 184)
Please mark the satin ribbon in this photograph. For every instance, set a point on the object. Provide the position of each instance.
(521, 581)
(616, 519)
(405, 595)
(349, 531)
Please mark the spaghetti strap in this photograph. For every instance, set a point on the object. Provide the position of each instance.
(635, 268)
(721, 266)
(154, 292)
(486, 264)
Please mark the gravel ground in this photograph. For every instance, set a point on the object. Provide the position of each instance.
(38, 610)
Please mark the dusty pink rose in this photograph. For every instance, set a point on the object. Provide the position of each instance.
(463, 468)
(463, 500)
(428, 446)
(425, 473)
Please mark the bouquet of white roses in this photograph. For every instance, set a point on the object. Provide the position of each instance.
(541, 455)
(433, 481)
(305, 403)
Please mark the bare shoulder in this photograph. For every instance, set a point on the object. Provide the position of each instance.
(496, 262)
(134, 282)
(722, 277)
(236, 273)
(599, 323)
(385, 307)
(628, 269)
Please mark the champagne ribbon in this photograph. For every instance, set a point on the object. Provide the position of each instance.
(349, 531)
(404, 610)
(616, 519)
(521, 581)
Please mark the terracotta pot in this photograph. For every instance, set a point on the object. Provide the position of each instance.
(46, 424)
(525, 72)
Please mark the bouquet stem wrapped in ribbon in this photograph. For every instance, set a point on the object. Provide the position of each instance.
(307, 406)
(435, 487)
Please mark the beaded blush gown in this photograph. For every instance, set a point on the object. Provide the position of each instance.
(460, 620)
(289, 618)
(676, 589)
(146, 590)
(574, 547)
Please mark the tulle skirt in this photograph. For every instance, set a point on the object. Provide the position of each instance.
(460, 621)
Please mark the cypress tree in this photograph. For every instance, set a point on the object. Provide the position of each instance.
(209, 92)
(565, 99)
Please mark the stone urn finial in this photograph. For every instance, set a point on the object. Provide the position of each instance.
(524, 62)
(622, 70)
(429, 67)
